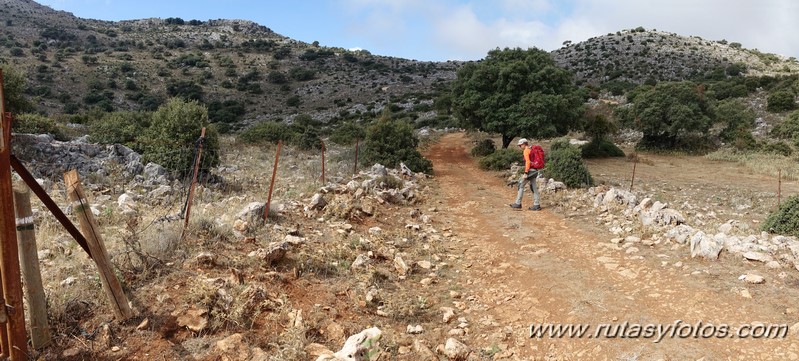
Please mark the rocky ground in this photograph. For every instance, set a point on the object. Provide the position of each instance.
(398, 266)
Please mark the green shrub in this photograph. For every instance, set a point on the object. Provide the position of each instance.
(390, 142)
(502, 159)
(601, 148)
(483, 148)
(32, 123)
(170, 139)
(119, 128)
(780, 148)
(781, 100)
(347, 133)
(565, 164)
(308, 140)
(267, 132)
(789, 128)
(784, 220)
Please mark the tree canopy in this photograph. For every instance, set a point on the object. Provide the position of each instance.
(671, 113)
(517, 92)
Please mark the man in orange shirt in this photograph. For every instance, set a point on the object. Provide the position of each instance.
(529, 176)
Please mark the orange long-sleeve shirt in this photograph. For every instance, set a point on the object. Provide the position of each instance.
(527, 163)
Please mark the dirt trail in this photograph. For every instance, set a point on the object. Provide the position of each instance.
(526, 267)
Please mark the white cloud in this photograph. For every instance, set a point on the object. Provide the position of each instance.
(526, 6)
(468, 29)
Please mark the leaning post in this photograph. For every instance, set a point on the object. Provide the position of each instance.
(91, 231)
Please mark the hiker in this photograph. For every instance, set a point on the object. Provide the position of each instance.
(529, 176)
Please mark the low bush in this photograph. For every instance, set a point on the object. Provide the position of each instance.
(483, 148)
(501, 159)
(267, 132)
(781, 100)
(391, 142)
(565, 164)
(784, 220)
(601, 148)
(780, 148)
(119, 128)
(33, 123)
(347, 133)
(171, 138)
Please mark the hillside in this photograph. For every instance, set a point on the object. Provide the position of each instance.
(638, 55)
(243, 68)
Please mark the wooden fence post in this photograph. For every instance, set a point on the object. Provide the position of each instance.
(272, 183)
(323, 162)
(633, 179)
(193, 182)
(15, 344)
(92, 233)
(29, 262)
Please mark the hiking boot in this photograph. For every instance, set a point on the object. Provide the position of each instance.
(535, 208)
(515, 205)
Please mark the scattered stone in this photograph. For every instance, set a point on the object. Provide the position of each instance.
(705, 246)
(317, 202)
(752, 278)
(757, 256)
(449, 314)
(365, 342)
(69, 281)
(424, 264)
(144, 324)
(402, 268)
(206, 258)
(360, 261)
(375, 231)
(233, 347)
(423, 352)
(195, 319)
(414, 330)
(454, 350)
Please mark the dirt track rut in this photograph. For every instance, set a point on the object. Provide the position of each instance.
(524, 267)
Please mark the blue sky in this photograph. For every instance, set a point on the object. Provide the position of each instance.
(439, 30)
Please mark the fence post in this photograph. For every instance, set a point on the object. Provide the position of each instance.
(15, 344)
(779, 187)
(49, 203)
(633, 179)
(92, 233)
(29, 262)
(323, 161)
(193, 182)
(272, 183)
(355, 169)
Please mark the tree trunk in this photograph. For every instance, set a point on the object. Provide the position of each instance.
(506, 141)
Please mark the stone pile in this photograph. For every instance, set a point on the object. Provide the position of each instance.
(621, 210)
(48, 158)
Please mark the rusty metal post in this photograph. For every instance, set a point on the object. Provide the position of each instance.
(323, 161)
(29, 262)
(16, 345)
(91, 231)
(193, 183)
(779, 187)
(272, 183)
(4, 225)
(633, 179)
(355, 170)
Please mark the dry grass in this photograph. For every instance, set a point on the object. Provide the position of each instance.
(760, 163)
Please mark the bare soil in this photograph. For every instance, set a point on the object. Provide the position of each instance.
(557, 265)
